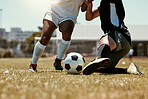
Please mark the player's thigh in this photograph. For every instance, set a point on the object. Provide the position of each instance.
(47, 31)
(117, 55)
(109, 41)
(66, 28)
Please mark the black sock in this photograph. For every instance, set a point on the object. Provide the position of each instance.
(112, 70)
(103, 51)
(58, 61)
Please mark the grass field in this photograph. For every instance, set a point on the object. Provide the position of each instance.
(16, 82)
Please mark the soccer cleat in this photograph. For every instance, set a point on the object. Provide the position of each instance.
(58, 66)
(133, 69)
(97, 63)
(33, 67)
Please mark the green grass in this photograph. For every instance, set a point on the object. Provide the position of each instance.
(16, 82)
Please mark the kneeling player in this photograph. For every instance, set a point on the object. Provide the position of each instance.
(116, 41)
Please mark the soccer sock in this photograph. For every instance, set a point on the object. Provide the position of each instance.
(58, 61)
(63, 47)
(38, 50)
(103, 51)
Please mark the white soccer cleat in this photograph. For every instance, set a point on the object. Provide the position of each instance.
(133, 69)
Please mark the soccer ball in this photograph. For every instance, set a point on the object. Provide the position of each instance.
(73, 63)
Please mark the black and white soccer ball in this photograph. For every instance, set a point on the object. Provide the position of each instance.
(74, 63)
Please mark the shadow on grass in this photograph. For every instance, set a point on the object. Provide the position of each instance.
(42, 71)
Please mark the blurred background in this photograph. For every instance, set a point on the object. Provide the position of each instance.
(21, 26)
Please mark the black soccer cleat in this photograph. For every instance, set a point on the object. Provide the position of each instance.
(58, 66)
(94, 65)
(33, 67)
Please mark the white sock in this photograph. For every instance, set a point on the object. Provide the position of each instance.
(63, 47)
(38, 50)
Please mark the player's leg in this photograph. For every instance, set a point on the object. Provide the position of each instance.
(66, 27)
(106, 45)
(110, 70)
(132, 69)
(122, 50)
(115, 57)
(48, 29)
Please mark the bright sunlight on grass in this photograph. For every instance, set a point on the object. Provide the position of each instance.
(16, 82)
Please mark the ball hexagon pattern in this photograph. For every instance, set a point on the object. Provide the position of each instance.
(73, 63)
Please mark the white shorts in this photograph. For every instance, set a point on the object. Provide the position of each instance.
(56, 19)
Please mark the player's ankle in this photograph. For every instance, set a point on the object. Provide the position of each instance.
(33, 63)
(58, 60)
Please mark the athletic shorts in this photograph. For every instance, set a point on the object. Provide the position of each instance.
(56, 19)
(123, 47)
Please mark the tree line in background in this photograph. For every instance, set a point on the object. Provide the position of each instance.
(27, 46)
(7, 48)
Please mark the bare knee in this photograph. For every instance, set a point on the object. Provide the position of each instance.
(48, 29)
(66, 28)
(44, 40)
(66, 33)
(66, 36)
(109, 41)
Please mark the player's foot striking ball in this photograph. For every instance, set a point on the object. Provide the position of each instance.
(97, 63)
